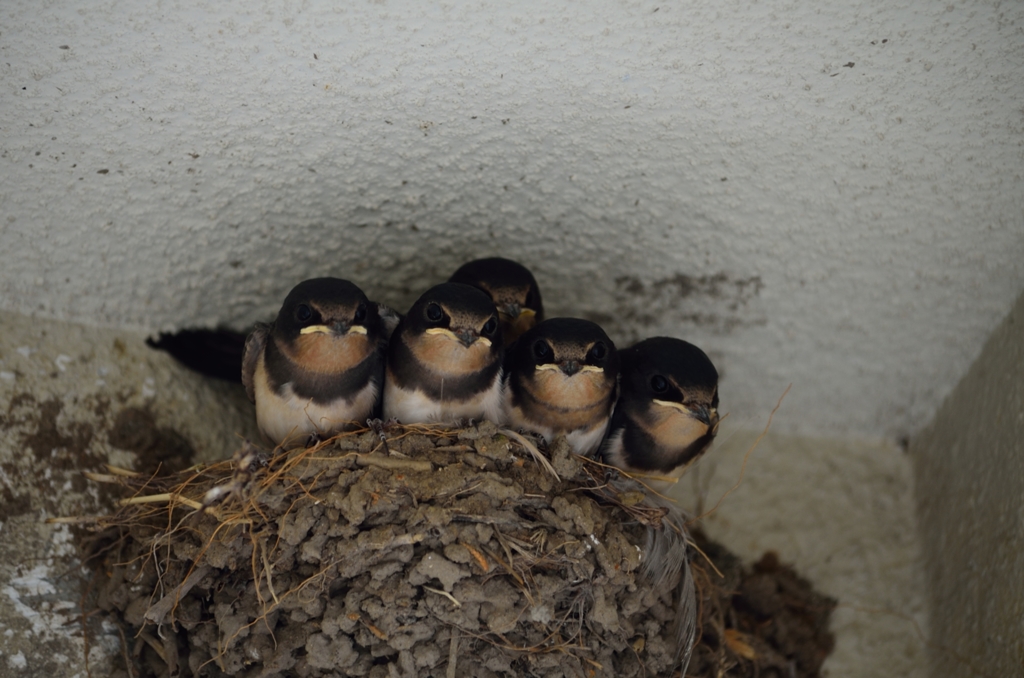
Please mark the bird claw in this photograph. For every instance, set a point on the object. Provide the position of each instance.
(537, 438)
(378, 426)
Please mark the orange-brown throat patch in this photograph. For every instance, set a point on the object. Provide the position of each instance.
(446, 355)
(674, 429)
(578, 400)
(328, 353)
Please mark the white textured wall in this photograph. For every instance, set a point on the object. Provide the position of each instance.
(824, 193)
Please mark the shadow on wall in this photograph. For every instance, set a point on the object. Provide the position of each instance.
(716, 303)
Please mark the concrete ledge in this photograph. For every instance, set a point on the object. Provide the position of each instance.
(841, 512)
(73, 398)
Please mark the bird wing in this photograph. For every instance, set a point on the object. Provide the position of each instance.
(254, 344)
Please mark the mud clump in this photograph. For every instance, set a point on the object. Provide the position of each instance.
(763, 620)
(439, 553)
(454, 550)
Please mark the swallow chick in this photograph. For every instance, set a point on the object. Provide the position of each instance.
(562, 378)
(319, 366)
(667, 412)
(665, 418)
(511, 287)
(444, 359)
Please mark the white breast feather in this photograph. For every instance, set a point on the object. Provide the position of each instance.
(612, 450)
(287, 418)
(412, 406)
(583, 442)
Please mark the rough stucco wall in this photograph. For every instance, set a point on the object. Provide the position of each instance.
(970, 478)
(829, 196)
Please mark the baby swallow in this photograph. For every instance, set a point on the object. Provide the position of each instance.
(511, 287)
(667, 413)
(444, 359)
(319, 366)
(666, 416)
(562, 378)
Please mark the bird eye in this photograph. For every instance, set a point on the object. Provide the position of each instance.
(659, 384)
(491, 325)
(714, 401)
(360, 315)
(303, 313)
(597, 352)
(541, 350)
(434, 313)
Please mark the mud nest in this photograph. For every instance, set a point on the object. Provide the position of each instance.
(438, 553)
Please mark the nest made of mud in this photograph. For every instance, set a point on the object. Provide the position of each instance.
(440, 553)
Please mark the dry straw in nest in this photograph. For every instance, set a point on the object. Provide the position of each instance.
(439, 552)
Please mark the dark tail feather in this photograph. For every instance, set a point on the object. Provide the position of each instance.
(666, 557)
(686, 619)
(215, 353)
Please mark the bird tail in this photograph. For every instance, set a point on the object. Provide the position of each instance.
(666, 564)
(666, 559)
